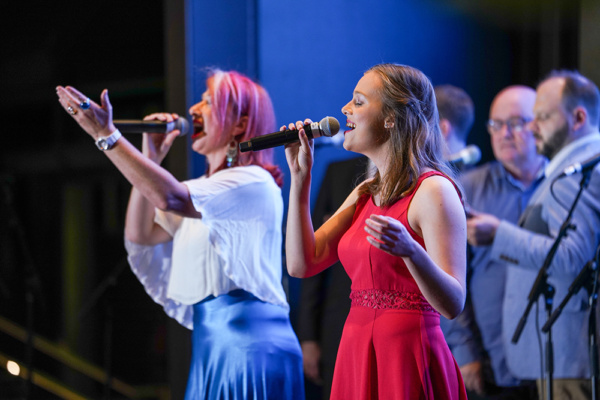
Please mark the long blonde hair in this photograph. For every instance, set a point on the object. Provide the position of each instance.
(415, 141)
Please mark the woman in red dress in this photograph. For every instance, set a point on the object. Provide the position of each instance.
(401, 237)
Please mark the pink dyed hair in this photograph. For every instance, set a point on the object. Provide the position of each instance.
(235, 96)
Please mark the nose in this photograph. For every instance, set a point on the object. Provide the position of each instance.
(195, 109)
(346, 109)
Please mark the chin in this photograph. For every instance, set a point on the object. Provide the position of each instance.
(346, 145)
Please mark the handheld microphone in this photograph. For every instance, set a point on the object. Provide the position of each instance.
(581, 166)
(328, 127)
(468, 156)
(135, 126)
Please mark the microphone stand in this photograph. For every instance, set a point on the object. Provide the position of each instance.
(588, 278)
(109, 282)
(32, 283)
(541, 286)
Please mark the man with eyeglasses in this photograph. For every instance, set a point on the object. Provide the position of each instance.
(497, 189)
(565, 122)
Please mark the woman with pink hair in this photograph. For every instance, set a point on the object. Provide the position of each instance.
(209, 249)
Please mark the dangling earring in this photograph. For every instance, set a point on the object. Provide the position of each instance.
(232, 153)
(388, 125)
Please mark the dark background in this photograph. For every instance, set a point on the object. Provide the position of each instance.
(62, 203)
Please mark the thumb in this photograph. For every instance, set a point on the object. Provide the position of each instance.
(170, 138)
(105, 100)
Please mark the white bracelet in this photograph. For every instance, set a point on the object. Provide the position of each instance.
(106, 143)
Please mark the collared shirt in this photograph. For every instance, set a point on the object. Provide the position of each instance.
(568, 150)
(491, 189)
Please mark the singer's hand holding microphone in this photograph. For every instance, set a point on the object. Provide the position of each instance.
(167, 126)
(299, 152)
(296, 138)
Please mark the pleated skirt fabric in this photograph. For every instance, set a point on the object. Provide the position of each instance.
(243, 348)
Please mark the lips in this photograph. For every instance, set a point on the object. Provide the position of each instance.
(350, 125)
(198, 128)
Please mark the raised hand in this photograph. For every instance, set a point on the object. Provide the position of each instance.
(96, 119)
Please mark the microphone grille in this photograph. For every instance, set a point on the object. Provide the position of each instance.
(329, 126)
(472, 155)
(183, 125)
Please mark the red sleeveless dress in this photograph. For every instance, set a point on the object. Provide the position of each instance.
(392, 346)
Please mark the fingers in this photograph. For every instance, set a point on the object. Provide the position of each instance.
(307, 145)
(72, 100)
(299, 155)
(81, 98)
(165, 117)
(378, 227)
(389, 235)
(170, 138)
(68, 100)
(76, 93)
(298, 125)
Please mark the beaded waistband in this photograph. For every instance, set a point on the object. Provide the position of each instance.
(390, 299)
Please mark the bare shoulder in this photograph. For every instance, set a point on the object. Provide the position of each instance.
(436, 202)
(436, 188)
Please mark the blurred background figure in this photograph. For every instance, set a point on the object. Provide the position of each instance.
(457, 114)
(565, 130)
(501, 187)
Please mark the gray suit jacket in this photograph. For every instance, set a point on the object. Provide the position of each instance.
(524, 248)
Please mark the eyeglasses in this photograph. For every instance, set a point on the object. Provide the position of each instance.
(514, 125)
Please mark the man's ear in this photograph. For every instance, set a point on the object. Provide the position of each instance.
(445, 127)
(580, 117)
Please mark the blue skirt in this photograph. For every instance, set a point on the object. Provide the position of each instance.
(243, 348)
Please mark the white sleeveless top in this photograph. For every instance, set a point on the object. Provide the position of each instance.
(235, 245)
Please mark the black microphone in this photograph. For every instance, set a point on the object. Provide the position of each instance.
(468, 156)
(581, 166)
(135, 126)
(328, 127)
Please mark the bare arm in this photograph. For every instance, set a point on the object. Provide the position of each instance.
(307, 252)
(140, 227)
(153, 185)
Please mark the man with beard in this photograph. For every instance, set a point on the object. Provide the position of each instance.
(565, 128)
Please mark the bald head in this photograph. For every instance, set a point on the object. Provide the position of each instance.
(514, 100)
